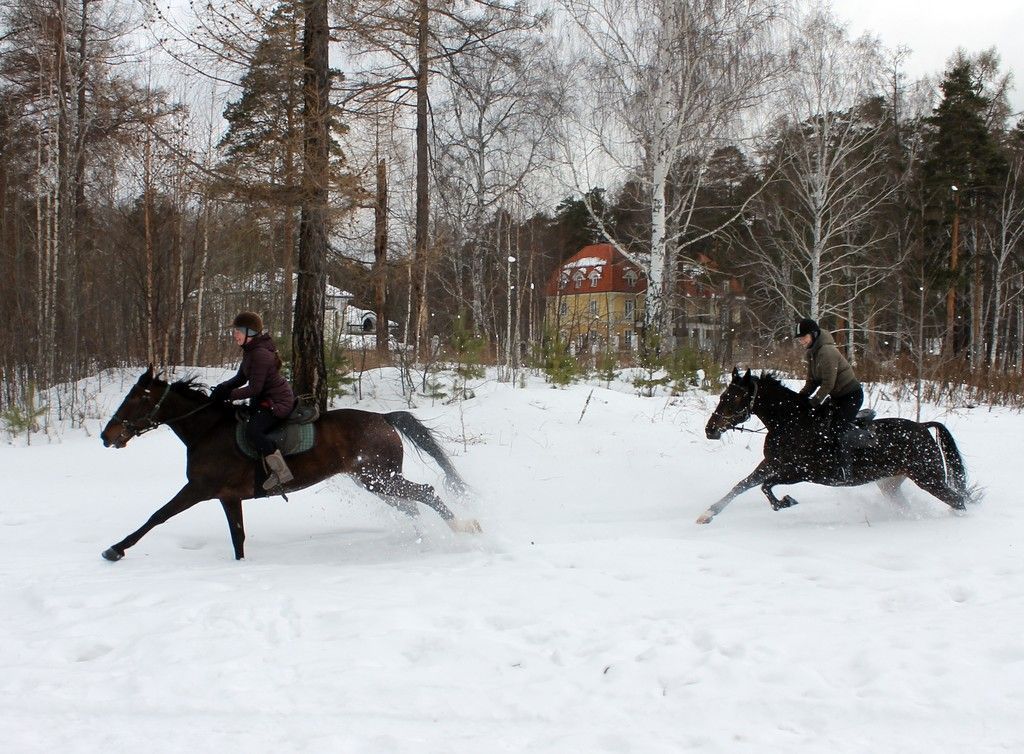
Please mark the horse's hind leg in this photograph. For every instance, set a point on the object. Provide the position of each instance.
(942, 491)
(408, 507)
(399, 486)
(891, 488)
(378, 481)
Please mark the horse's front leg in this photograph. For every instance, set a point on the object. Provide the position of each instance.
(756, 477)
(777, 505)
(187, 497)
(233, 511)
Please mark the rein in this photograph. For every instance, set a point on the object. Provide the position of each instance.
(149, 422)
(744, 429)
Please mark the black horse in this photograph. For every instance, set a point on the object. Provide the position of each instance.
(801, 447)
(364, 444)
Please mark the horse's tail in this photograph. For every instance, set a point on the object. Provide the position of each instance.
(956, 473)
(421, 436)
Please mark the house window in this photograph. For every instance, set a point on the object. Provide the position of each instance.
(593, 308)
(577, 280)
(563, 308)
(594, 277)
(630, 307)
(627, 338)
(563, 280)
(630, 277)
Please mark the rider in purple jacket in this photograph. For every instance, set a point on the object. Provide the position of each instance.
(270, 396)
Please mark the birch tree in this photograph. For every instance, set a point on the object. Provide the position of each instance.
(1009, 235)
(670, 81)
(492, 137)
(814, 233)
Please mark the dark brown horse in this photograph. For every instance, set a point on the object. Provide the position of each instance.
(799, 447)
(364, 444)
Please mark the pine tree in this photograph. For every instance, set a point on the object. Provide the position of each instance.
(962, 151)
(963, 168)
(263, 143)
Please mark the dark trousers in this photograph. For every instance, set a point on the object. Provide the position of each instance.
(261, 422)
(845, 408)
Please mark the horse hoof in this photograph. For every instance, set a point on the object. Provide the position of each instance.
(705, 518)
(112, 555)
(786, 502)
(467, 526)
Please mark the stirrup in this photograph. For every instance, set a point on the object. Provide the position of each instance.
(276, 487)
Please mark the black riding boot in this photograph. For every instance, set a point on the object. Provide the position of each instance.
(843, 457)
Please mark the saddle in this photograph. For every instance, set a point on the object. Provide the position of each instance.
(861, 436)
(295, 435)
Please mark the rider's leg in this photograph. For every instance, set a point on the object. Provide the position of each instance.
(260, 423)
(844, 412)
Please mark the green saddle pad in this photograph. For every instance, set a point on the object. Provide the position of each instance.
(291, 439)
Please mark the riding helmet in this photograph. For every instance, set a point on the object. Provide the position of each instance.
(807, 327)
(249, 322)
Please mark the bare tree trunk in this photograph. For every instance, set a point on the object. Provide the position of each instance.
(78, 241)
(977, 297)
(308, 368)
(656, 275)
(850, 352)
(997, 312)
(509, 259)
(201, 286)
(901, 316)
(147, 225)
(422, 176)
(288, 229)
(179, 264)
(408, 304)
(380, 258)
(42, 256)
(1018, 355)
(954, 259)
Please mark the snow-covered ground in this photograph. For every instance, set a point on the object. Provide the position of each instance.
(592, 615)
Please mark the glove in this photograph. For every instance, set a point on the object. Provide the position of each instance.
(806, 391)
(815, 402)
(220, 394)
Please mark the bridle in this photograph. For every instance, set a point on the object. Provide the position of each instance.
(747, 411)
(149, 422)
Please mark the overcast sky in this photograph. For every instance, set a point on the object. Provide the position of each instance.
(933, 29)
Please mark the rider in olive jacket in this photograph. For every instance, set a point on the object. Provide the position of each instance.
(830, 376)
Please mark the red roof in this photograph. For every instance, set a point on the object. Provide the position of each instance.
(597, 268)
(600, 268)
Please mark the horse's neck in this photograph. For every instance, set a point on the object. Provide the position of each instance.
(777, 407)
(190, 427)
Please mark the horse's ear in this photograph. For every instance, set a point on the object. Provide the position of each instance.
(147, 376)
(746, 377)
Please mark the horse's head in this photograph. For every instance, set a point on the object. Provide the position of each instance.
(735, 405)
(137, 412)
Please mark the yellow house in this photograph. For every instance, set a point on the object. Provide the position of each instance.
(596, 299)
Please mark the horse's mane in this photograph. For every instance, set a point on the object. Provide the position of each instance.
(191, 387)
(771, 380)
